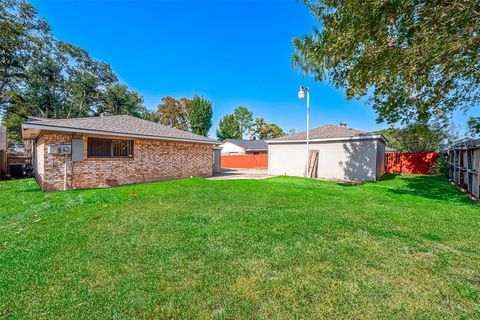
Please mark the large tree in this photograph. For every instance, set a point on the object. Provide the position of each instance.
(244, 118)
(229, 128)
(419, 137)
(271, 131)
(265, 131)
(200, 113)
(44, 77)
(174, 113)
(416, 59)
(23, 36)
(117, 99)
(63, 82)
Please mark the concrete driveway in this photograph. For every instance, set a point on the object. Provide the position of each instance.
(234, 174)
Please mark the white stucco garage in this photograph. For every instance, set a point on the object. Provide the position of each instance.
(343, 154)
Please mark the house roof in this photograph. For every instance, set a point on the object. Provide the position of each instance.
(121, 125)
(254, 145)
(328, 132)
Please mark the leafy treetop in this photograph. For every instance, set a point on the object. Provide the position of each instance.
(419, 137)
(417, 60)
(229, 128)
(244, 118)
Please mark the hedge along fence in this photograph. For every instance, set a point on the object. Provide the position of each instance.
(248, 161)
(410, 162)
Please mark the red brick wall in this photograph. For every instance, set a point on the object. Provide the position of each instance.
(153, 160)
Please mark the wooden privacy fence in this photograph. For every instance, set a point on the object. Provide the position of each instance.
(410, 162)
(463, 160)
(6, 159)
(257, 161)
(20, 157)
(3, 163)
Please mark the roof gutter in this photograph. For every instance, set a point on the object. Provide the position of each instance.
(356, 138)
(111, 133)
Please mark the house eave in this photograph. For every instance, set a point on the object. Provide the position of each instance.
(36, 128)
(356, 138)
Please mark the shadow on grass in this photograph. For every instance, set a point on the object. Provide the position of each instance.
(389, 176)
(430, 187)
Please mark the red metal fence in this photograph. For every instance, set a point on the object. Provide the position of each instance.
(258, 161)
(410, 162)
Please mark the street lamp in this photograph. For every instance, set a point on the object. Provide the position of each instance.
(301, 95)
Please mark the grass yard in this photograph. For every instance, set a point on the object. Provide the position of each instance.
(406, 247)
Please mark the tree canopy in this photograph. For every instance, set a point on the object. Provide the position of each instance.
(117, 99)
(193, 115)
(174, 113)
(23, 36)
(265, 131)
(200, 114)
(45, 77)
(419, 137)
(229, 128)
(244, 118)
(234, 126)
(416, 60)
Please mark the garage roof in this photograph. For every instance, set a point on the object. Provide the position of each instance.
(254, 145)
(121, 125)
(328, 132)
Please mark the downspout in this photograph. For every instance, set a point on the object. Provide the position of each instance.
(72, 164)
(64, 172)
(34, 158)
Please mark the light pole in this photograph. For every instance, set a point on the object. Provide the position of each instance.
(301, 95)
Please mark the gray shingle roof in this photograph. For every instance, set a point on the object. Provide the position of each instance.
(122, 124)
(325, 132)
(250, 144)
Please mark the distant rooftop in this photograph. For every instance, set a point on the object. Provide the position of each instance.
(326, 132)
(257, 145)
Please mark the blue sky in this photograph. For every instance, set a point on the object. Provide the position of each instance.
(232, 52)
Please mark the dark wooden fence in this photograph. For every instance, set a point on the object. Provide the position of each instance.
(410, 162)
(463, 160)
(3, 164)
(20, 157)
(6, 159)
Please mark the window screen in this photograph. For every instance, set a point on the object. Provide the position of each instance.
(109, 148)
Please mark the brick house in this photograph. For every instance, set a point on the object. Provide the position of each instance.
(113, 150)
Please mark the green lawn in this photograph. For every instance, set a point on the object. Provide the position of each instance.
(406, 247)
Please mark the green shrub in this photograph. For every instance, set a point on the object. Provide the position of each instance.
(440, 168)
